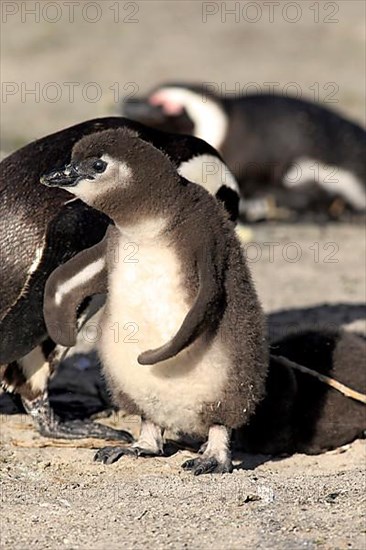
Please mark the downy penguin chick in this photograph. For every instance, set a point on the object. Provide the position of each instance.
(182, 338)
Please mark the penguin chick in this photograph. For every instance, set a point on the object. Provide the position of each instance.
(185, 308)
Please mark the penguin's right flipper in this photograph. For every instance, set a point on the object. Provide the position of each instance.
(200, 315)
(82, 276)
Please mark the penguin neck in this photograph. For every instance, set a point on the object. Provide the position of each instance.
(210, 122)
(144, 231)
(160, 216)
(147, 216)
(208, 117)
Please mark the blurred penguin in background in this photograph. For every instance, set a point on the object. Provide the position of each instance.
(294, 159)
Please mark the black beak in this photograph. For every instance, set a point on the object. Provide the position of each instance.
(68, 177)
(142, 111)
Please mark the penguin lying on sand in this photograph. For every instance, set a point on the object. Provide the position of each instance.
(291, 157)
(191, 353)
(302, 413)
(41, 229)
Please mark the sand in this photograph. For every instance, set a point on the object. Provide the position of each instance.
(56, 497)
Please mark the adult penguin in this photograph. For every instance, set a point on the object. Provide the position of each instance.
(293, 158)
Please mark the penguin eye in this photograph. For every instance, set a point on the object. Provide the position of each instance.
(99, 166)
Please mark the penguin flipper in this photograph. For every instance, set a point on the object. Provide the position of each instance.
(81, 277)
(204, 309)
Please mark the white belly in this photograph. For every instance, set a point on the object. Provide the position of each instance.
(146, 307)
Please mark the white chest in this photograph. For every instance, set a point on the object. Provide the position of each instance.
(145, 290)
(145, 308)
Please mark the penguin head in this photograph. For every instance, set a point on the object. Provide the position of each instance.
(114, 169)
(162, 109)
(183, 109)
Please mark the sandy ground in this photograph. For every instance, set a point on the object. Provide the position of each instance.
(54, 497)
(58, 498)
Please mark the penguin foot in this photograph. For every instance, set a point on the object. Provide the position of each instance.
(49, 425)
(149, 443)
(109, 455)
(80, 429)
(216, 456)
(208, 465)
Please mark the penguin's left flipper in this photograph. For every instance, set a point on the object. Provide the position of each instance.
(83, 276)
(200, 315)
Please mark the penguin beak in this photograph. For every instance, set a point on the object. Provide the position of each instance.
(142, 111)
(68, 177)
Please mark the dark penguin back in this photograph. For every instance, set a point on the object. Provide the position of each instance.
(301, 414)
(269, 132)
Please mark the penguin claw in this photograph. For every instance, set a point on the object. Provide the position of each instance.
(207, 465)
(189, 464)
(109, 455)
